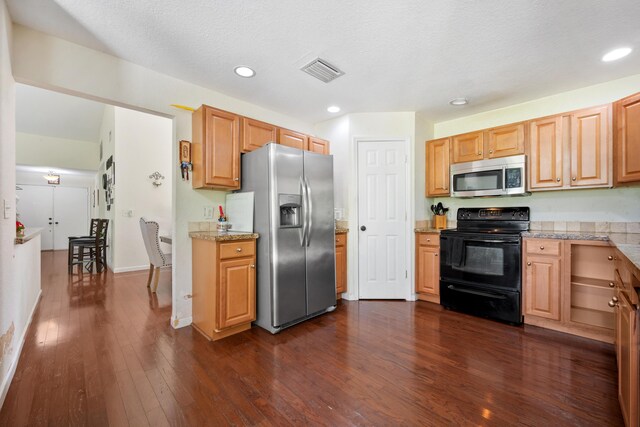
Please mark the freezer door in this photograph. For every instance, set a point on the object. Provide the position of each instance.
(320, 239)
(288, 280)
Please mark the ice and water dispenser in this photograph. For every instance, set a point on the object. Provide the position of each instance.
(290, 210)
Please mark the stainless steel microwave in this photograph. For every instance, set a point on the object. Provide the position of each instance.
(504, 176)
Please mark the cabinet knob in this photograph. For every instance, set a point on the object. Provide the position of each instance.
(614, 299)
(236, 179)
(542, 248)
(428, 240)
(435, 254)
(490, 151)
(252, 266)
(573, 178)
(557, 179)
(610, 258)
(529, 263)
(479, 153)
(612, 303)
(611, 285)
(238, 249)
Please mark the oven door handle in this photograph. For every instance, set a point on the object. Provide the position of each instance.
(512, 242)
(480, 293)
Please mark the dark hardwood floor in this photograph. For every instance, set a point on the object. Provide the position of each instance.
(100, 351)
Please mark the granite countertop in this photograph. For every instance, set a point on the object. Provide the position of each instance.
(627, 243)
(341, 230)
(222, 236)
(29, 233)
(429, 230)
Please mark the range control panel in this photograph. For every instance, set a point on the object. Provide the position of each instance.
(493, 214)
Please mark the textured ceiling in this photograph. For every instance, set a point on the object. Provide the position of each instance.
(47, 113)
(411, 55)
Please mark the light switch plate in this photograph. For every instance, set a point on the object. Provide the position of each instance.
(7, 208)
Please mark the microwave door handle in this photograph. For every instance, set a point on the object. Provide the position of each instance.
(504, 180)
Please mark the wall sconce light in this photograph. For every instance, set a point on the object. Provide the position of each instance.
(156, 176)
(52, 178)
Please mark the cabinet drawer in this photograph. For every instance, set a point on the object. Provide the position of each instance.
(237, 249)
(341, 239)
(428, 239)
(543, 247)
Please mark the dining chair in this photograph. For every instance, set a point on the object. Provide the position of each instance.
(71, 248)
(89, 250)
(157, 258)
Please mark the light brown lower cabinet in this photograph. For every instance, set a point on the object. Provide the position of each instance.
(428, 267)
(341, 264)
(627, 315)
(224, 286)
(568, 285)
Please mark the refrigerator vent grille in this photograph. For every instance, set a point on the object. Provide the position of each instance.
(322, 70)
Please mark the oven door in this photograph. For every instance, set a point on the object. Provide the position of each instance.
(481, 259)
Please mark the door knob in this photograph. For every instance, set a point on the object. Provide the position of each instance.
(363, 228)
(50, 223)
(56, 222)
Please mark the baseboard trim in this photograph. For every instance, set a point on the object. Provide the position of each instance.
(14, 364)
(181, 323)
(134, 268)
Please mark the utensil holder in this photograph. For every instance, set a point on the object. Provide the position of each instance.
(440, 222)
(223, 226)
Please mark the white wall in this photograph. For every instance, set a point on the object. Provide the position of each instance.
(53, 63)
(424, 132)
(66, 180)
(143, 146)
(337, 132)
(619, 204)
(40, 150)
(107, 136)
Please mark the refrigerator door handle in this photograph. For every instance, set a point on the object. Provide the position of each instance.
(303, 229)
(310, 212)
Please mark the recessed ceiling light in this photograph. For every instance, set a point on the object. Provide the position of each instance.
(616, 54)
(243, 71)
(459, 101)
(333, 109)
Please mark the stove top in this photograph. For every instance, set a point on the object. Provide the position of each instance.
(492, 220)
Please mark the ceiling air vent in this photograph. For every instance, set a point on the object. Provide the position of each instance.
(322, 70)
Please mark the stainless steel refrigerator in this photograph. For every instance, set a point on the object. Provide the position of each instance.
(293, 213)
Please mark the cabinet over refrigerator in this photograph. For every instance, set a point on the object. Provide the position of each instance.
(293, 213)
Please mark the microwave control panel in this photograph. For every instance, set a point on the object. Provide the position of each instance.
(513, 178)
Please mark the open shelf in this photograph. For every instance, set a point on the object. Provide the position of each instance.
(587, 316)
(589, 281)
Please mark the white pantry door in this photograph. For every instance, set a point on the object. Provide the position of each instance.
(382, 216)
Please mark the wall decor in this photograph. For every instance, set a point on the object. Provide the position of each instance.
(156, 176)
(185, 159)
(110, 182)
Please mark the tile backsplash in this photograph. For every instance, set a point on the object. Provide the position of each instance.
(588, 227)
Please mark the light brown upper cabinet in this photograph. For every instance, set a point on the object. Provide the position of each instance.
(215, 149)
(467, 147)
(505, 141)
(255, 134)
(293, 139)
(318, 145)
(627, 139)
(590, 147)
(571, 150)
(437, 163)
(545, 153)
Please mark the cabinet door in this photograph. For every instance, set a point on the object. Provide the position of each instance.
(341, 269)
(221, 149)
(437, 167)
(506, 140)
(627, 139)
(318, 145)
(237, 292)
(255, 134)
(542, 287)
(590, 142)
(293, 139)
(428, 274)
(627, 349)
(467, 147)
(545, 153)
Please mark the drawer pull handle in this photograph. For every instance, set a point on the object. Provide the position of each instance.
(238, 249)
(611, 285)
(610, 258)
(529, 263)
(612, 303)
(542, 248)
(428, 240)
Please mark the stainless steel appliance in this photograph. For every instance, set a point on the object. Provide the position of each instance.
(293, 213)
(480, 263)
(503, 176)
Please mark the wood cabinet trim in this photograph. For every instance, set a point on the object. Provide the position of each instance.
(437, 174)
(251, 142)
(285, 134)
(626, 160)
